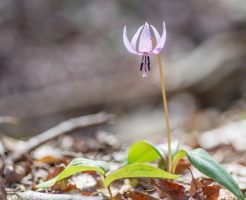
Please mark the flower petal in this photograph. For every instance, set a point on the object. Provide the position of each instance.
(156, 33)
(161, 42)
(127, 43)
(145, 42)
(135, 37)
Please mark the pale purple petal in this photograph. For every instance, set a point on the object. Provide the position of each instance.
(161, 42)
(145, 42)
(127, 43)
(157, 35)
(135, 37)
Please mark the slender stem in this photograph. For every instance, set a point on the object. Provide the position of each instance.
(109, 189)
(165, 109)
(110, 192)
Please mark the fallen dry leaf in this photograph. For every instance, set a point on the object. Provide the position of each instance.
(174, 190)
(138, 195)
(211, 192)
(195, 185)
(47, 154)
(118, 196)
(55, 172)
(206, 181)
(64, 186)
(182, 166)
(48, 159)
(10, 175)
(86, 193)
(200, 189)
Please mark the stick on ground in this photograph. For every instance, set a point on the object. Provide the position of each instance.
(30, 195)
(60, 129)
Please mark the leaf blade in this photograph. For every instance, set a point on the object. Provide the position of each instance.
(164, 149)
(137, 170)
(75, 166)
(210, 167)
(180, 154)
(87, 162)
(143, 151)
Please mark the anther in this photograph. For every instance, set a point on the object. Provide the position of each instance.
(148, 63)
(141, 66)
(142, 63)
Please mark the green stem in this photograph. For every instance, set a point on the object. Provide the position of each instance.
(165, 109)
(110, 192)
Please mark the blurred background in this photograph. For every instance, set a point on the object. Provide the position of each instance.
(62, 59)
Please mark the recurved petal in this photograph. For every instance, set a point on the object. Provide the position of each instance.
(161, 42)
(145, 42)
(135, 37)
(127, 43)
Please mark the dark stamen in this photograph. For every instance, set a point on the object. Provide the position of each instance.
(148, 63)
(141, 65)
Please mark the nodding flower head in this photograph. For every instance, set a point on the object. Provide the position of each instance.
(143, 44)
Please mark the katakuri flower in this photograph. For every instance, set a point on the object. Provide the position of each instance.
(143, 44)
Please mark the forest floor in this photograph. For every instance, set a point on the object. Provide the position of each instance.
(24, 164)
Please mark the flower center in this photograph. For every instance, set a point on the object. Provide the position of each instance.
(145, 64)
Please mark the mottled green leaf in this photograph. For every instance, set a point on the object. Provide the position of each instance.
(210, 167)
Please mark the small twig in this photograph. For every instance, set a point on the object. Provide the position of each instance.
(31, 195)
(61, 129)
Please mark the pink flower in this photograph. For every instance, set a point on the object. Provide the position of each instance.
(143, 44)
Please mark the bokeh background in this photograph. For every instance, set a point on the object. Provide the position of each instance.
(63, 58)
